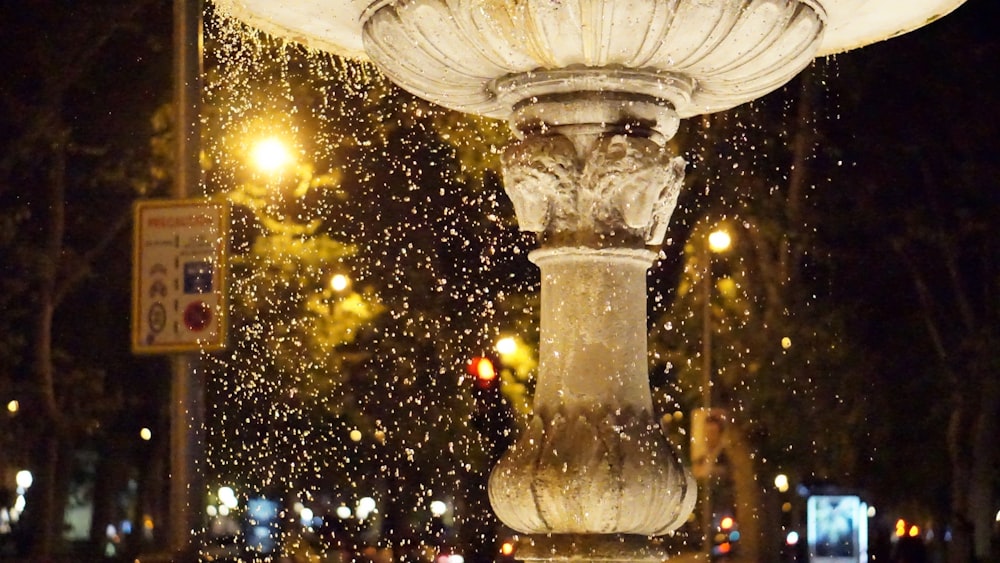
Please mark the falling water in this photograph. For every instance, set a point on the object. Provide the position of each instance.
(328, 397)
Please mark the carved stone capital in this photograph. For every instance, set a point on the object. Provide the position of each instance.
(617, 190)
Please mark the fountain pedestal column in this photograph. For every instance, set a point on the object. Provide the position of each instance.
(592, 475)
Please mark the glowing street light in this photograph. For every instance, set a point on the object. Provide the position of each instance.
(339, 282)
(270, 155)
(781, 482)
(506, 346)
(719, 240)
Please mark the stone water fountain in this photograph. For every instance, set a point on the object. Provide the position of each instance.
(593, 89)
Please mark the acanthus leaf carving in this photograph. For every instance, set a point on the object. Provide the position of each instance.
(623, 184)
(539, 177)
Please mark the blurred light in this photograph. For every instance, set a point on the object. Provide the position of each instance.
(483, 369)
(339, 282)
(792, 538)
(781, 482)
(110, 531)
(147, 522)
(24, 479)
(507, 548)
(900, 528)
(13, 406)
(438, 508)
(786, 343)
(212, 511)
(871, 511)
(719, 240)
(306, 516)
(734, 536)
(365, 507)
(998, 516)
(726, 523)
(506, 346)
(725, 547)
(380, 436)
(456, 558)
(146, 434)
(343, 512)
(270, 155)
(227, 496)
(355, 435)
(786, 507)
(914, 531)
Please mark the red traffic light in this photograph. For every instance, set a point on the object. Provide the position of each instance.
(482, 369)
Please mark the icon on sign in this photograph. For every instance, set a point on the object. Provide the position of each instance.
(158, 269)
(158, 289)
(197, 316)
(198, 277)
(157, 318)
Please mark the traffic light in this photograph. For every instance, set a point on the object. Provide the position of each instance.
(483, 370)
(506, 551)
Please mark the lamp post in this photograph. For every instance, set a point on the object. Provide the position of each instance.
(187, 412)
(716, 242)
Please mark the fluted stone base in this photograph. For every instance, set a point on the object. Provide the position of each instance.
(607, 548)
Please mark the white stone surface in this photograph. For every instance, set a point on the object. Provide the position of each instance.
(592, 460)
(454, 51)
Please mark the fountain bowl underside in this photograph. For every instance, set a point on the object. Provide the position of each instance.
(696, 57)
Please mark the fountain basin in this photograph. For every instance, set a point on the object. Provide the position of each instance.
(699, 56)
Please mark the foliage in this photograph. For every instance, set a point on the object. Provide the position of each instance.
(922, 199)
(73, 158)
(775, 349)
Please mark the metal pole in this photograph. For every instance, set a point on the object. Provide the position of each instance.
(187, 489)
(706, 391)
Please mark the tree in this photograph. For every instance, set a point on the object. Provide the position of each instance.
(921, 200)
(775, 349)
(63, 161)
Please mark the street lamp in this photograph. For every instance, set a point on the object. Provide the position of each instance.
(340, 282)
(717, 241)
(270, 155)
(506, 346)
